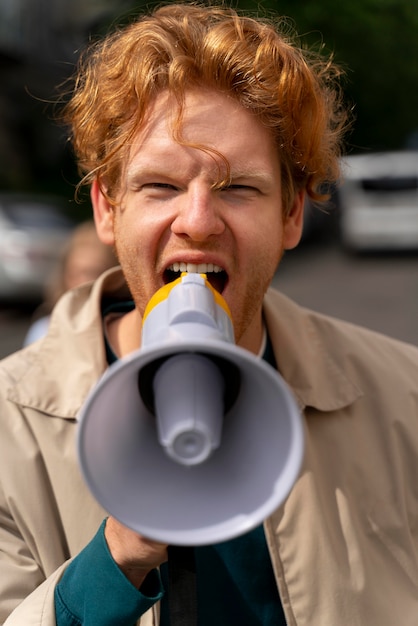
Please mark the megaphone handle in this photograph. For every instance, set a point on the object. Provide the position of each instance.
(182, 593)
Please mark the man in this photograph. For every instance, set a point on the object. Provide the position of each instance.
(200, 132)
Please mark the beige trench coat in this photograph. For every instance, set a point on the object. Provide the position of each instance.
(344, 546)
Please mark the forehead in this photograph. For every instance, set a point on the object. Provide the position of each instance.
(199, 110)
(209, 123)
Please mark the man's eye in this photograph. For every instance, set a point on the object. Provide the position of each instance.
(159, 186)
(239, 188)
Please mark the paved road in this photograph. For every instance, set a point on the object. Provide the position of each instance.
(380, 292)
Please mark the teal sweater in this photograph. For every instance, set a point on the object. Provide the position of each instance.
(235, 585)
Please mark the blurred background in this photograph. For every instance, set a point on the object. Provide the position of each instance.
(358, 259)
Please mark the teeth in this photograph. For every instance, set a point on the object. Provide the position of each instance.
(193, 268)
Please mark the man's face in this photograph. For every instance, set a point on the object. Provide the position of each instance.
(172, 217)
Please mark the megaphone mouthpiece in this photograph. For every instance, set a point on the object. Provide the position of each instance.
(187, 308)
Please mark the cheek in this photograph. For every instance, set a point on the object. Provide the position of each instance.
(140, 229)
(127, 244)
(136, 243)
(266, 262)
(266, 243)
(260, 247)
(261, 254)
(266, 253)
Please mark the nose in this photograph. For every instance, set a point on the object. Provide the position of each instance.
(199, 214)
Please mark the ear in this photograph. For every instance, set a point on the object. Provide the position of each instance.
(293, 223)
(103, 213)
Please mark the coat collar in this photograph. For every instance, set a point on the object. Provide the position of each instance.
(55, 375)
(311, 353)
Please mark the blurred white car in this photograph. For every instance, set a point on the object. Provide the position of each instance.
(33, 231)
(379, 201)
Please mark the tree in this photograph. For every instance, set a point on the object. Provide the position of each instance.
(376, 42)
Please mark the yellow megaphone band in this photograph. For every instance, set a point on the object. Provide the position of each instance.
(163, 293)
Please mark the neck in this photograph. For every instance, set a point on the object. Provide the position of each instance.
(124, 333)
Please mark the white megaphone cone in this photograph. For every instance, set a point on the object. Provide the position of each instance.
(190, 440)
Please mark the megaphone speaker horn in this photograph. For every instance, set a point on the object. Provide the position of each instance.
(191, 440)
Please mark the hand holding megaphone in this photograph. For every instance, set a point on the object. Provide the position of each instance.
(134, 554)
(190, 440)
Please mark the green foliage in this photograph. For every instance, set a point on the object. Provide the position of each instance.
(376, 41)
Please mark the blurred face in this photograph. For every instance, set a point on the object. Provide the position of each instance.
(85, 264)
(173, 216)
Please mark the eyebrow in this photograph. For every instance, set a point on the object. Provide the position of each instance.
(139, 170)
(236, 174)
(252, 174)
(165, 168)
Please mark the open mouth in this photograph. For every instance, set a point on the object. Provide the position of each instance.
(216, 275)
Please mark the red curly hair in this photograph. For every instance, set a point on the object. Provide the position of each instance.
(295, 93)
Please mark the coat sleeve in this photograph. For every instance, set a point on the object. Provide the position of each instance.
(37, 608)
(45, 520)
(28, 580)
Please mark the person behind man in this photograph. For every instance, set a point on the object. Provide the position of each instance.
(200, 132)
(82, 259)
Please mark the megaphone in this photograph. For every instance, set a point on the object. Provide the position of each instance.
(190, 440)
